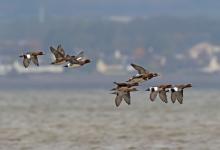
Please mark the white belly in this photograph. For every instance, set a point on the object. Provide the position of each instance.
(73, 65)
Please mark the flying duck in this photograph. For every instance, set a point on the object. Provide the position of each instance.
(177, 92)
(161, 89)
(123, 93)
(59, 54)
(143, 75)
(31, 56)
(77, 61)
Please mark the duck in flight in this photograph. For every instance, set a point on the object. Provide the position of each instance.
(143, 75)
(123, 93)
(59, 53)
(77, 61)
(161, 90)
(31, 56)
(177, 92)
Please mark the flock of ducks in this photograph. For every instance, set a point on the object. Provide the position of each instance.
(60, 58)
(122, 90)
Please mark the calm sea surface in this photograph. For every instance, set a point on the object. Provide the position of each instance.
(89, 120)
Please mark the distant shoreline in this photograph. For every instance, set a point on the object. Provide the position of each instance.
(98, 81)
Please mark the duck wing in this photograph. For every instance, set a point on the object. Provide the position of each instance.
(153, 95)
(163, 96)
(118, 99)
(173, 96)
(55, 52)
(140, 69)
(35, 60)
(26, 62)
(136, 79)
(73, 60)
(80, 56)
(179, 95)
(59, 46)
(61, 50)
(127, 97)
(122, 84)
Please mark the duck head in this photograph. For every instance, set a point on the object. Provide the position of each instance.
(155, 74)
(41, 53)
(188, 85)
(87, 61)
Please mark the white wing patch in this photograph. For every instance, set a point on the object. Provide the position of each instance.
(28, 56)
(80, 58)
(156, 88)
(176, 89)
(137, 75)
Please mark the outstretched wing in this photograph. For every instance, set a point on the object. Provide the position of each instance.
(54, 51)
(73, 60)
(163, 96)
(153, 95)
(118, 99)
(136, 80)
(26, 62)
(35, 60)
(126, 96)
(57, 53)
(140, 69)
(173, 96)
(121, 84)
(61, 51)
(80, 56)
(179, 95)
